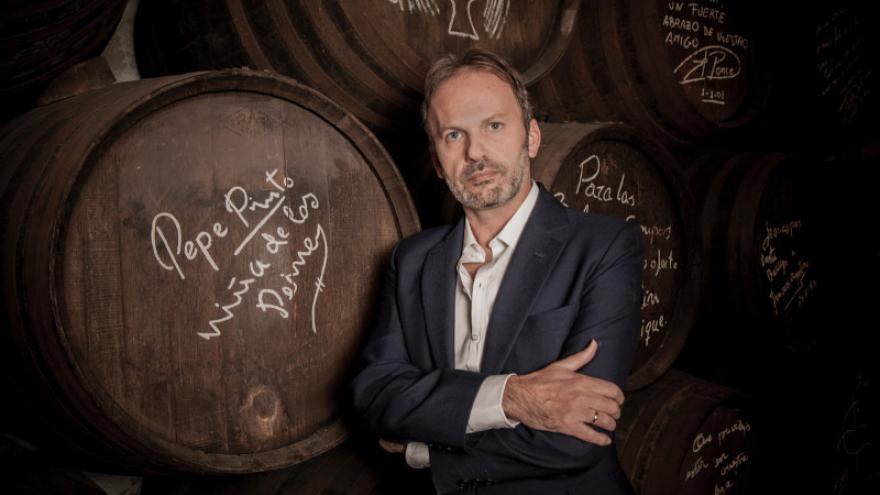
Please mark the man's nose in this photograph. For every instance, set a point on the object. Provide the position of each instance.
(476, 149)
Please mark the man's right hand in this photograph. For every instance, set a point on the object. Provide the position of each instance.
(558, 398)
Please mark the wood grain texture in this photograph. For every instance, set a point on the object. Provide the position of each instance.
(779, 268)
(190, 264)
(681, 71)
(39, 40)
(370, 56)
(688, 436)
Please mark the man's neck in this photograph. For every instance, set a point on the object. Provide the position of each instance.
(486, 224)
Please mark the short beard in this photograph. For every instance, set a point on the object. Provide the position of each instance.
(497, 196)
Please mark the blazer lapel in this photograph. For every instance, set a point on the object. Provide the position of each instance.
(537, 250)
(438, 295)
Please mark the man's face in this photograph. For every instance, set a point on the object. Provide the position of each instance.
(479, 140)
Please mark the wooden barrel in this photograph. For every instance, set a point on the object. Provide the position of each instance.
(684, 435)
(370, 56)
(40, 40)
(762, 231)
(611, 169)
(681, 71)
(824, 72)
(780, 265)
(844, 73)
(189, 265)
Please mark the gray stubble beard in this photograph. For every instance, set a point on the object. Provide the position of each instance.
(498, 196)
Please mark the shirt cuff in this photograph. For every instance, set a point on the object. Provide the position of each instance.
(417, 455)
(487, 412)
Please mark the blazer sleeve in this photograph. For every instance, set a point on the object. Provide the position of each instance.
(399, 401)
(609, 312)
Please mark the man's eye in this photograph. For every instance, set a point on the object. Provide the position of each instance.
(495, 126)
(453, 135)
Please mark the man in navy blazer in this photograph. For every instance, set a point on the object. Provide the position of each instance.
(502, 341)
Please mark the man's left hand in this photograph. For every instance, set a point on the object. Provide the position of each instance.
(557, 398)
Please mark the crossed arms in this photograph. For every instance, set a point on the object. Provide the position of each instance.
(402, 400)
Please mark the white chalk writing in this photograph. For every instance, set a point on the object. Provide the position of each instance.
(709, 48)
(461, 17)
(843, 63)
(191, 249)
(694, 471)
(289, 290)
(700, 440)
(593, 190)
(714, 461)
(739, 427)
(244, 287)
(722, 490)
(660, 263)
(651, 327)
(649, 298)
(737, 461)
(709, 63)
(171, 249)
(714, 14)
(652, 232)
(787, 229)
(423, 6)
(788, 272)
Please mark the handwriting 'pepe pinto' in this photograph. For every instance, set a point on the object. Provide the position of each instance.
(168, 245)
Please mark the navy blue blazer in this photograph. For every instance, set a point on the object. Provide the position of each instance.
(573, 277)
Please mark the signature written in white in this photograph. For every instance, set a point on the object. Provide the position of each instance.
(167, 238)
(271, 299)
(709, 63)
(175, 251)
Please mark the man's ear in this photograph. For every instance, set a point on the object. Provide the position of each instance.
(438, 169)
(534, 138)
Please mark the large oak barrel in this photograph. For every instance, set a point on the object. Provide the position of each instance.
(783, 276)
(611, 169)
(41, 39)
(370, 56)
(763, 234)
(682, 71)
(683, 435)
(189, 265)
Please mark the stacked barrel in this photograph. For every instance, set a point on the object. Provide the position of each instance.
(189, 265)
(123, 202)
(190, 260)
(41, 40)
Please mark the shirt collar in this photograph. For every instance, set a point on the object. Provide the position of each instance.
(509, 235)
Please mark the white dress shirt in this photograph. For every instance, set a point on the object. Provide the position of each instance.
(474, 300)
